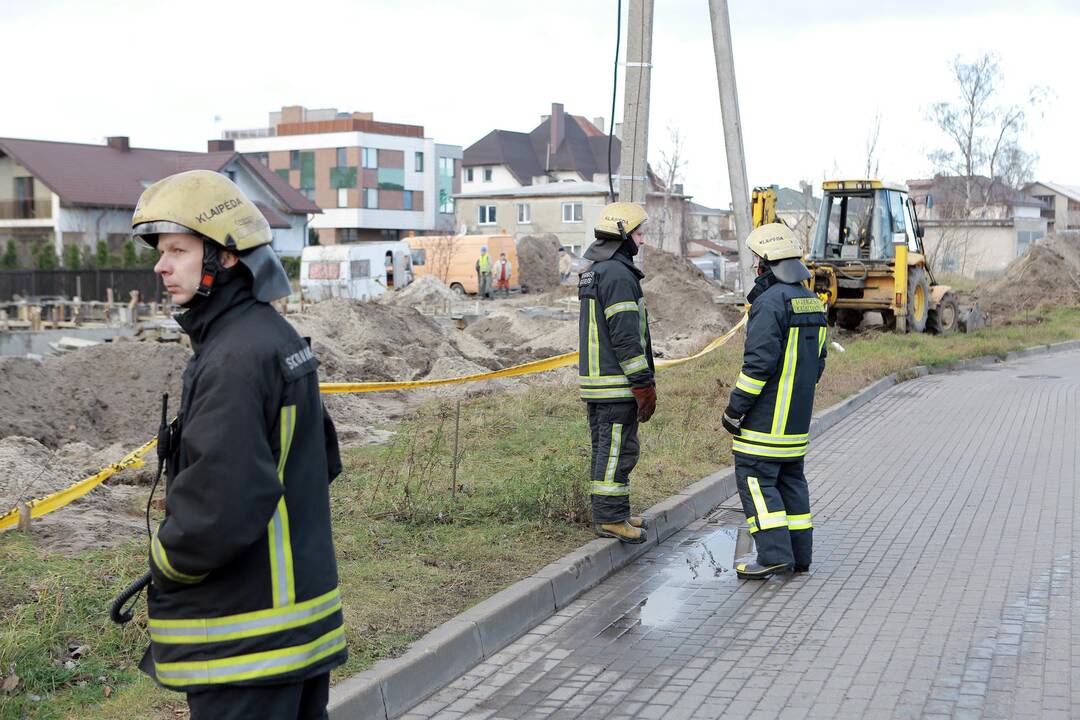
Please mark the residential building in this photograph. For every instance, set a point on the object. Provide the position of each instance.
(78, 194)
(1062, 211)
(374, 180)
(798, 209)
(975, 226)
(554, 179)
(714, 225)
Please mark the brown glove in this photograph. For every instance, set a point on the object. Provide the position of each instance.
(646, 402)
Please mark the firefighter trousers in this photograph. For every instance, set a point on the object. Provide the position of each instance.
(613, 428)
(776, 501)
(305, 700)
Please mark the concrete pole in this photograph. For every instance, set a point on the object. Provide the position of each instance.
(733, 141)
(635, 125)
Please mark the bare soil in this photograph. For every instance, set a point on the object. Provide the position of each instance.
(1048, 274)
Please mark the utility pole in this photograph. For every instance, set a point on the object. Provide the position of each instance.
(633, 180)
(733, 141)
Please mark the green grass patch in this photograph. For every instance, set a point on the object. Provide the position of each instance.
(422, 532)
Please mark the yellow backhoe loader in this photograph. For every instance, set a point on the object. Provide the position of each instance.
(866, 255)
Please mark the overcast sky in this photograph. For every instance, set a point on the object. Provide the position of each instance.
(811, 75)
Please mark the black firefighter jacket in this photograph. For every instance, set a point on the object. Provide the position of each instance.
(614, 344)
(244, 588)
(783, 360)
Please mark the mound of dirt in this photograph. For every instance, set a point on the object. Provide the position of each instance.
(427, 290)
(99, 395)
(538, 262)
(1047, 274)
(521, 334)
(107, 516)
(682, 314)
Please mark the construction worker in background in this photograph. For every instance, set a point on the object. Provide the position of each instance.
(615, 366)
(244, 610)
(503, 270)
(770, 408)
(565, 262)
(483, 273)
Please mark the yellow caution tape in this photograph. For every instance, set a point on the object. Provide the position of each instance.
(59, 499)
(134, 459)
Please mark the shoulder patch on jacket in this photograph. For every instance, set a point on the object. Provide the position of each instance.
(807, 305)
(297, 362)
(586, 278)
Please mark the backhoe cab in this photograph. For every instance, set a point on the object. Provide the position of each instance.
(867, 255)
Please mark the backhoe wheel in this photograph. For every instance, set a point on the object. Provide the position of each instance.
(848, 319)
(945, 318)
(918, 300)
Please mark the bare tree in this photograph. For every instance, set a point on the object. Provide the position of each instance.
(984, 136)
(873, 161)
(670, 173)
(441, 249)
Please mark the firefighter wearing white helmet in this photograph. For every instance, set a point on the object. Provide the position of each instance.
(615, 365)
(242, 566)
(770, 407)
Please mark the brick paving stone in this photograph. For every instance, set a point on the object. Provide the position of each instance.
(945, 532)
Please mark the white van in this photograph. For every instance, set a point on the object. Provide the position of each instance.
(358, 271)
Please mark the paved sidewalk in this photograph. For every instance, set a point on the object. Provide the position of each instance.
(946, 544)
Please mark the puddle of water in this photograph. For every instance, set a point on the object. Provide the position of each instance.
(708, 556)
(1039, 377)
(662, 605)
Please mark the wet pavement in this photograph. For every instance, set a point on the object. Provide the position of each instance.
(944, 580)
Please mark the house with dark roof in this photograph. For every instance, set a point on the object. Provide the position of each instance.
(79, 194)
(975, 226)
(554, 179)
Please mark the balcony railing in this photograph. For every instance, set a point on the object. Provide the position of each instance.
(249, 133)
(25, 209)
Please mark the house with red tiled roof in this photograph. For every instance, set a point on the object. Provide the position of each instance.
(554, 179)
(79, 194)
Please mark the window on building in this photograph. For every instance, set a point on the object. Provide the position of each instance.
(407, 200)
(446, 202)
(342, 197)
(264, 158)
(360, 268)
(24, 197)
(468, 174)
(419, 256)
(446, 167)
(487, 174)
(571, 212)
(341, 161)
(371, 198)
(1024, 238)
(309, 193)
(390, 236)
(524, 214)
(485, 215)
(283, 173)
(419, 167)
(294, 159)
(369, 157)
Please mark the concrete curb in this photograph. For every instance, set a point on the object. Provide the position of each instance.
(390, 687)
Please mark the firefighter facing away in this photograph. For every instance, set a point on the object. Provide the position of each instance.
(244, 611)
(615, 366)
(770, 407)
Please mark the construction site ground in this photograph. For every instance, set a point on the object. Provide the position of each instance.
(407, 534)
(405, 537)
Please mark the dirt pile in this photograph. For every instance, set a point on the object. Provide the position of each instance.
(1047, 274)
(426, 291)
(109, 393)
(682, 314)
(107, 516)
(538, 262)
(520, 334)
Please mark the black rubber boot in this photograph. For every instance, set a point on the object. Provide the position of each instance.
(754, 571)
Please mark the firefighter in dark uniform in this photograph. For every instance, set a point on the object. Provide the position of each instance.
(615, 366)
(773, 400)
(244, 609)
